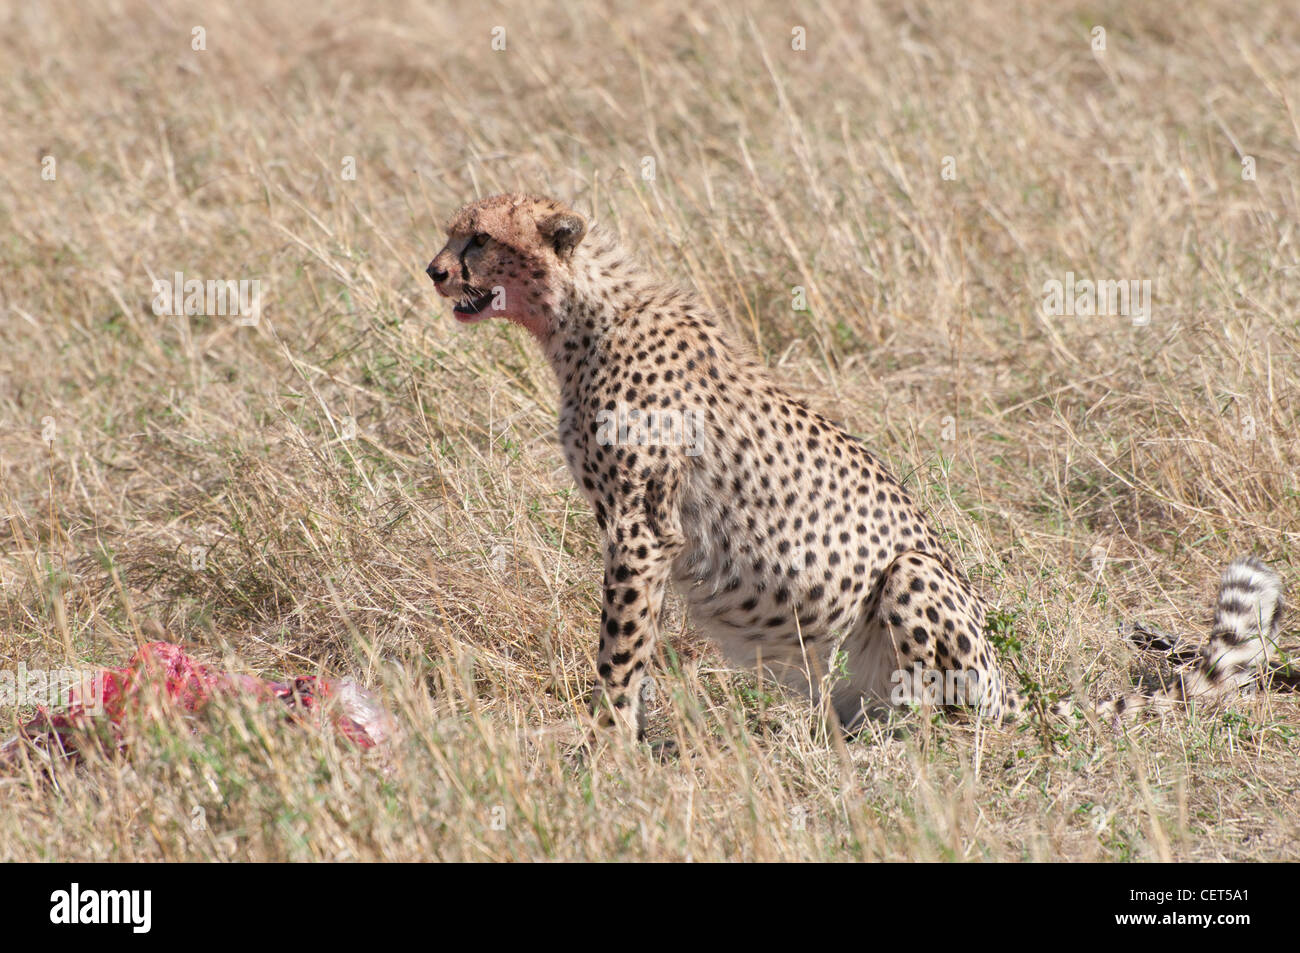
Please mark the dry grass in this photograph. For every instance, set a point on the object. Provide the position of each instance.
(442, 555)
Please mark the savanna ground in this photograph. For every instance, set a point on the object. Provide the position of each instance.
(357, 486)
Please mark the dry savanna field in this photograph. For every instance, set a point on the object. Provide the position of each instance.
(875, 196)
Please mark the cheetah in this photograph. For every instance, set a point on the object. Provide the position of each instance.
(789, 542)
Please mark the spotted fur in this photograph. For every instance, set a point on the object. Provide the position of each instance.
(790, 543)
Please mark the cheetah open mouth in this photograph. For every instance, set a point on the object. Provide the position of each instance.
(472, 309)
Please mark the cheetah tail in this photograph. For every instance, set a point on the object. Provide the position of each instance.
(1241, 651)
(1243, 643)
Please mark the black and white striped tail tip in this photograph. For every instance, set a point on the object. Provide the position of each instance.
(1249, 603)
(1242, 651)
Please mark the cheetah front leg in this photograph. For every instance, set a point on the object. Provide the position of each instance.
(639, 550)
(635, 580)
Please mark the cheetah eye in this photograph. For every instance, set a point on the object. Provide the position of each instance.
(481, 239)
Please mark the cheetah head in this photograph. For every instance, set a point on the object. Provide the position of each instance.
(508, 256)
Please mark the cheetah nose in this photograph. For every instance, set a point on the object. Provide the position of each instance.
(436, 273)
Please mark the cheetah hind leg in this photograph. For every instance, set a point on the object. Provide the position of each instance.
(921, 642)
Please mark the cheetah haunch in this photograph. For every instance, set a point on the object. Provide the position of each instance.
(786, 538)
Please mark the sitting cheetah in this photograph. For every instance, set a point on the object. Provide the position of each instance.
(789, 542)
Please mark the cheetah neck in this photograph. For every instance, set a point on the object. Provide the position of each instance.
(606, 283)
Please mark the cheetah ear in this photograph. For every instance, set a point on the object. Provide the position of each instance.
(563, 230)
